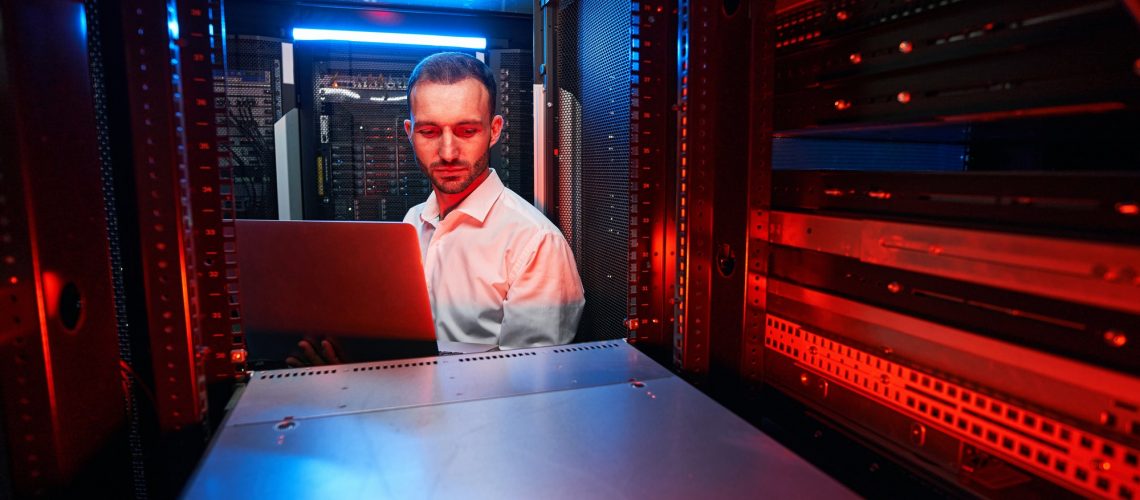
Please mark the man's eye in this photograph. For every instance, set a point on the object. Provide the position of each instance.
(468, 132)
(429, 132)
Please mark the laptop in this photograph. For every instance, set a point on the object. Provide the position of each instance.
(359, 285)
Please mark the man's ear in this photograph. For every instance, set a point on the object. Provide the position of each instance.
(408, 128)
(496, 129)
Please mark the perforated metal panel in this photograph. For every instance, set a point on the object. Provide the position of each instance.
(366, 169)
(513, 156)
(593, 46)
(252, 87)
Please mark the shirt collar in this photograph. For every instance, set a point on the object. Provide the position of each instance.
(476, 205)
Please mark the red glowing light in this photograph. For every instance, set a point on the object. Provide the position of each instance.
(879, 195)
(13, 280)
(903, 97)
(841, 104)
(1115, 338)
(855, 58)
(1099, 107)
(906, 47)
(237, 356)
(1128, 208)
(803, 378)
(53, 284)
(384, 17)
(841, 15)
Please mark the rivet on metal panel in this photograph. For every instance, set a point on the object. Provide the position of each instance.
(918, 434)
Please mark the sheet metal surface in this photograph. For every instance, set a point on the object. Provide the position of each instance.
(546, 423)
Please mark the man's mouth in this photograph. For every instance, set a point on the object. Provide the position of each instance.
(450, 170)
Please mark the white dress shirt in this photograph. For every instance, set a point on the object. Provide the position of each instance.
(498, 272)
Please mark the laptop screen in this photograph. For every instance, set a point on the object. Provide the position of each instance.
(359, 284)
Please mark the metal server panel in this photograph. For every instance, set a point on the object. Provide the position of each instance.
(586, 420)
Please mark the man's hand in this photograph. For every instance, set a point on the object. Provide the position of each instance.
(309, 356)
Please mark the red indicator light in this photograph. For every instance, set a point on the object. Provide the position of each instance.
(903, 97)
(855, 58)
(237, 356)
(1115, 338)
(1128, 208)
(842, 104)
(841, 15)
(906, 47)
(879, 195)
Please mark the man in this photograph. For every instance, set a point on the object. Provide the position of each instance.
(498, 271)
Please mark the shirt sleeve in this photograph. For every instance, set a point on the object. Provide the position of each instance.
(545, 299)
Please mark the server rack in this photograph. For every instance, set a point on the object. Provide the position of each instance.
(252, 86)
(939, 205)
(972, 323)
(513, 156)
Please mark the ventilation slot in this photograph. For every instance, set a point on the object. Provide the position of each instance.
(497, 356)
(587, 348)
(296, 374)
(391, 366)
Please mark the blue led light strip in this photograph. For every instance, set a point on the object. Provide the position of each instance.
(392, 38)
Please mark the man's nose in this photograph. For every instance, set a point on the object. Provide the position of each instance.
(448, 147)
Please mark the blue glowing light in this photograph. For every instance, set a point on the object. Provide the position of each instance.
(172, 20)
(83, 21)
(392, 38)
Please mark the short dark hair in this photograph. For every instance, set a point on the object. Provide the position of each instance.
(453, 67)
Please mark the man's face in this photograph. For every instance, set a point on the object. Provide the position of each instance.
(452, 132)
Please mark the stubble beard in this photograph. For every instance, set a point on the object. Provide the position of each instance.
(456, 186)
